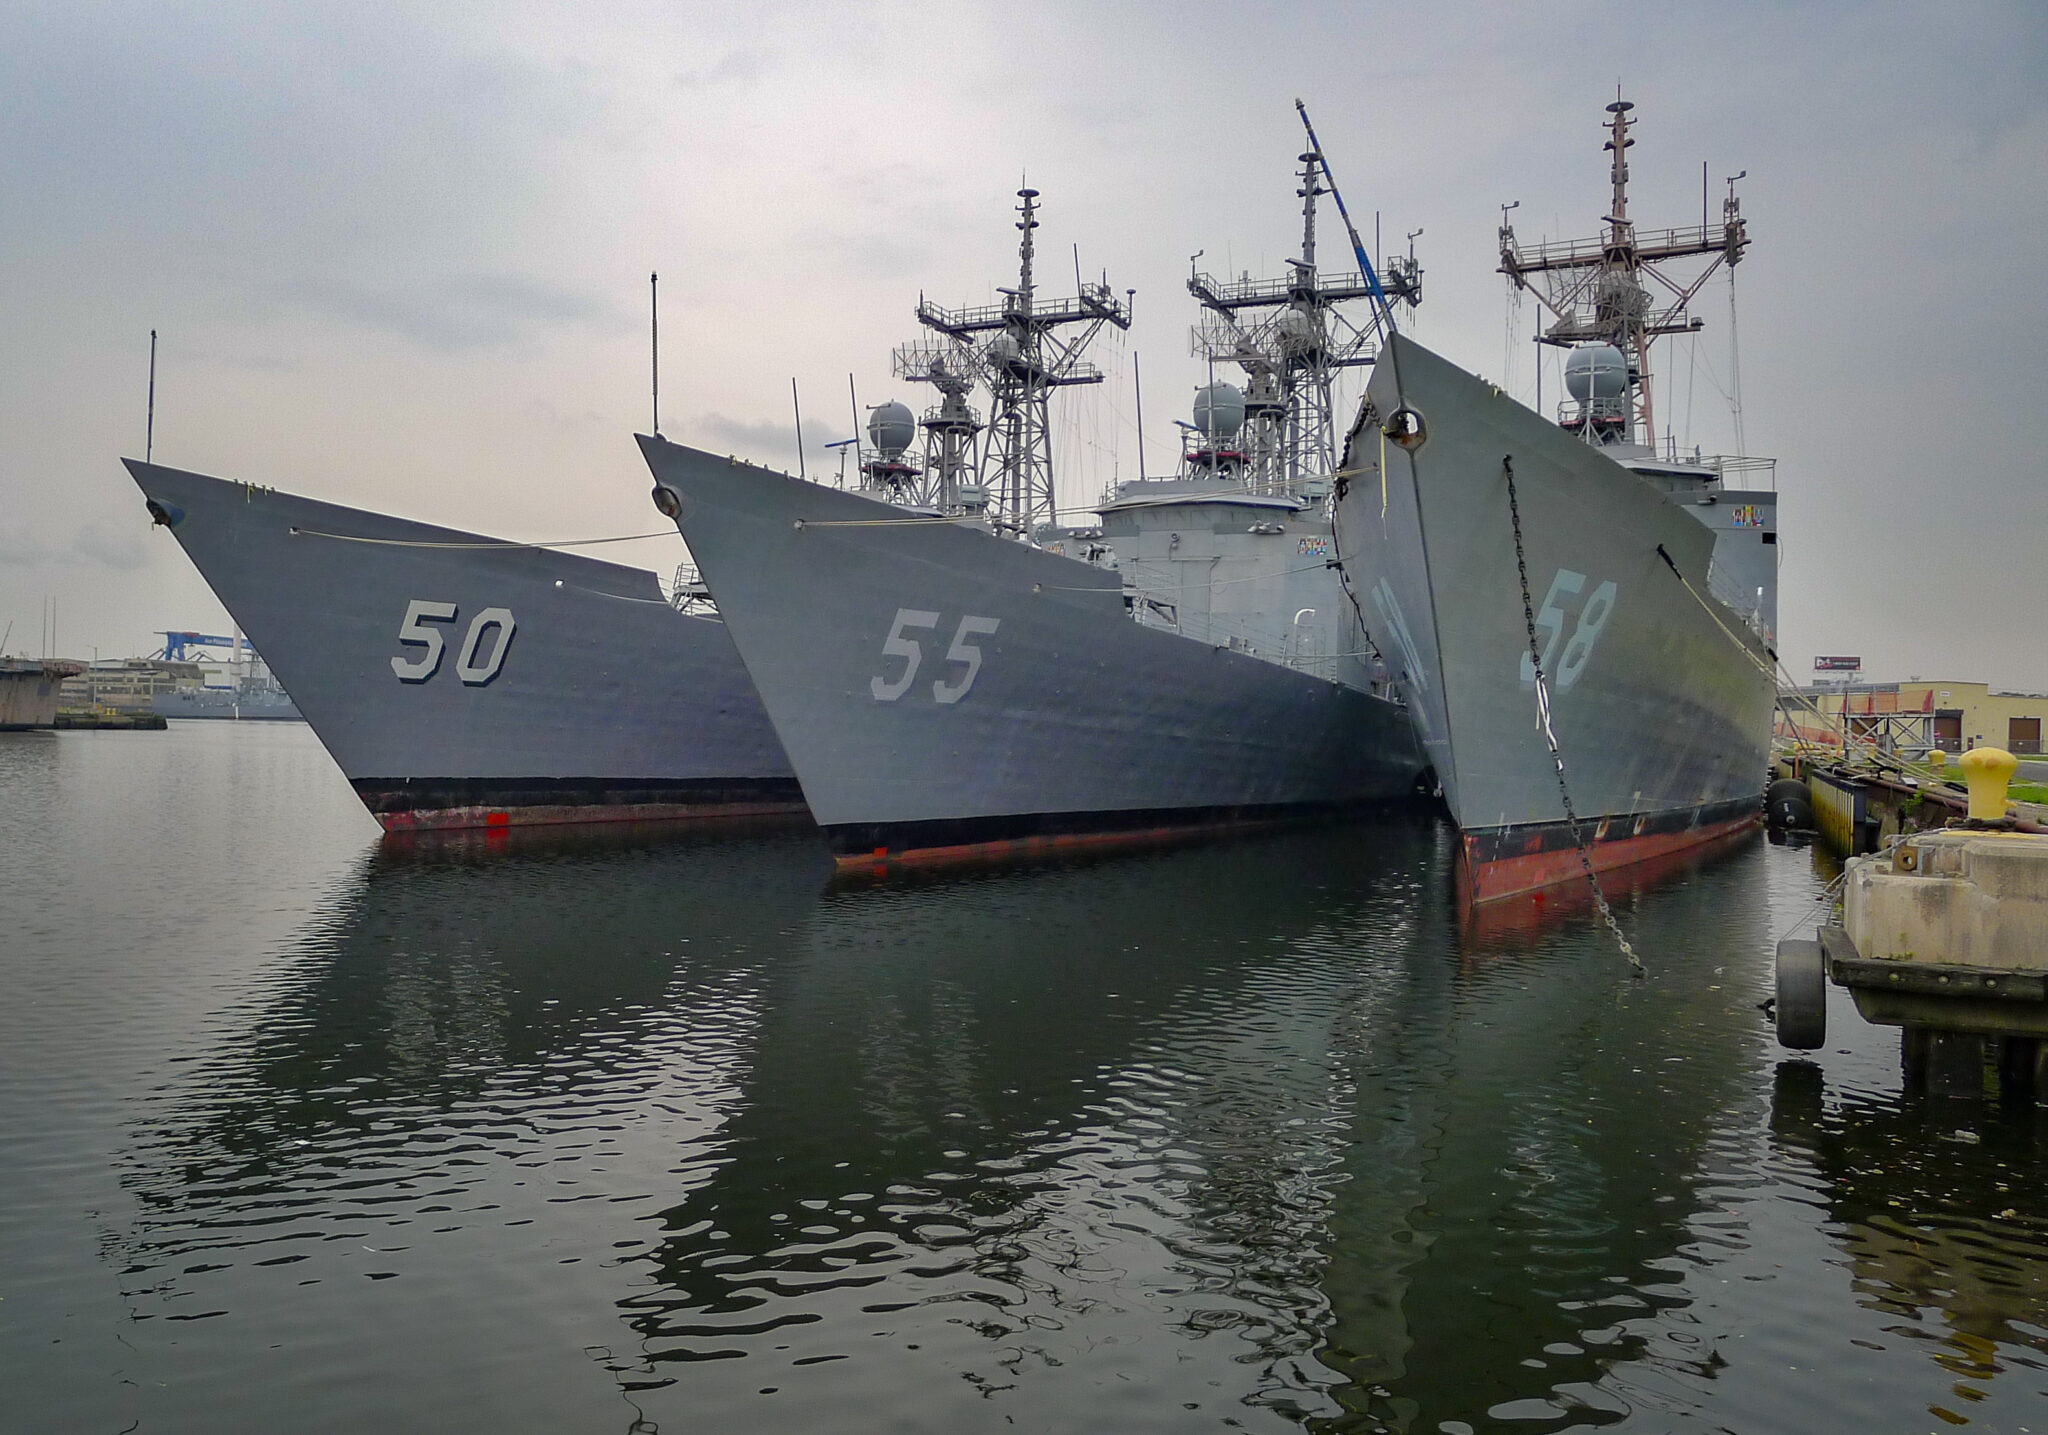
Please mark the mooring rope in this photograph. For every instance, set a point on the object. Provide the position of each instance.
(1141, 589)
(1571, 815)
(915, 522)
(491, 543)
(1337, 550)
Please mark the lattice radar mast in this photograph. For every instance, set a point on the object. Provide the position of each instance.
(1291, 336)
(1596, 293)
(1022, 349)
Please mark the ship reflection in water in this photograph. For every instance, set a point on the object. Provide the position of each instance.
(640, 1133)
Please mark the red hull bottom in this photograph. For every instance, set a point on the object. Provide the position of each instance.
(1517, 876)
(1044, 847)
(470, 819)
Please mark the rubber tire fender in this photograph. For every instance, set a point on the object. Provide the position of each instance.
(1801, 1011)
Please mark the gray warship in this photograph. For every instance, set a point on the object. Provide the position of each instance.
(460, 681)
(947, 690)
(1583, 623)
(251, 700)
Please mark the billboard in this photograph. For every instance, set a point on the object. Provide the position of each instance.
(1837, 665)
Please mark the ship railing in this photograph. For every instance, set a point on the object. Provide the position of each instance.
(1743, 471)
(1275, 640)
(1095, 301)
(1615, 410)
(689, 593)
(1739, 598)
(1650, 245)
(1398, 280)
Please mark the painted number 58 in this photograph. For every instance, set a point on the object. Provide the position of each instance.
(1550, 621)
(899, 644)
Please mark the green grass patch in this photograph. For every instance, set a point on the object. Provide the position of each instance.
(2017, 791)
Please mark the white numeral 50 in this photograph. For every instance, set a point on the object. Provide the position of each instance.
(898, 645)
(413, 633)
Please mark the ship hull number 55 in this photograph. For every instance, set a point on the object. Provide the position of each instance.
(900, 644)
(478, 659)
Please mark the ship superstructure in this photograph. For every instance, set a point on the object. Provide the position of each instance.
(1236, 550)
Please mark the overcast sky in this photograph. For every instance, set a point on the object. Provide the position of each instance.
(398, 255)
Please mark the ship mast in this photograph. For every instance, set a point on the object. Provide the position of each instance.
(1595, 288)
(1291, 337)
(1022, 349)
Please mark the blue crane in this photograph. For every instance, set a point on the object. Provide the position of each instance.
(175, 644)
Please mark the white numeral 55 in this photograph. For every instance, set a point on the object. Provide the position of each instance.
(898, 645)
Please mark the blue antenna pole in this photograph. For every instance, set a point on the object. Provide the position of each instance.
(1379, 295)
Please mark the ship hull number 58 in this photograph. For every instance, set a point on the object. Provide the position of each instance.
(478, 659)
(1551, 619)
(900, 644)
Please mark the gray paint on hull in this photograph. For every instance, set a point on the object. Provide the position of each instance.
(1074, 708)
(603, 681)
(1668, 708)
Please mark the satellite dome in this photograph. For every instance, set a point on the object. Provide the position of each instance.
(1598, 372)
(891, 428)
(1297, 331)
(1219, 410)
(1003, 349)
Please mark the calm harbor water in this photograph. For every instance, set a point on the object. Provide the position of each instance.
(308, 1132)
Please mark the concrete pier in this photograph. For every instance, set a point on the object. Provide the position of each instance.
(1944, 934)
(29, 688)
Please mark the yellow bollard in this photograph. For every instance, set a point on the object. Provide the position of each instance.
(1987, 770)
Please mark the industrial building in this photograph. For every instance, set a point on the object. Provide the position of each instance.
(1917, 715)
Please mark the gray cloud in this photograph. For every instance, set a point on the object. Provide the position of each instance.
(454, 312)
(735, 67)
(767, 440)
(101, 543)
(19, 547)
(334, 184)
(110, 545)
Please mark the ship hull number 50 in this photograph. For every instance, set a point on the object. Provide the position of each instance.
(479, 658)
(900, 644)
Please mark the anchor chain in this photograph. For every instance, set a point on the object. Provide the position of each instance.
(1564, 792)
(1344, 574)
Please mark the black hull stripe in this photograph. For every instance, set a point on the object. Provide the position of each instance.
(899, 837)
(1492, 844)
(434, 794)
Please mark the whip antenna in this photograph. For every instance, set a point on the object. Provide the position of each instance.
(149, 423)
(798, 409)
(1372, 279)
(654, 342)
